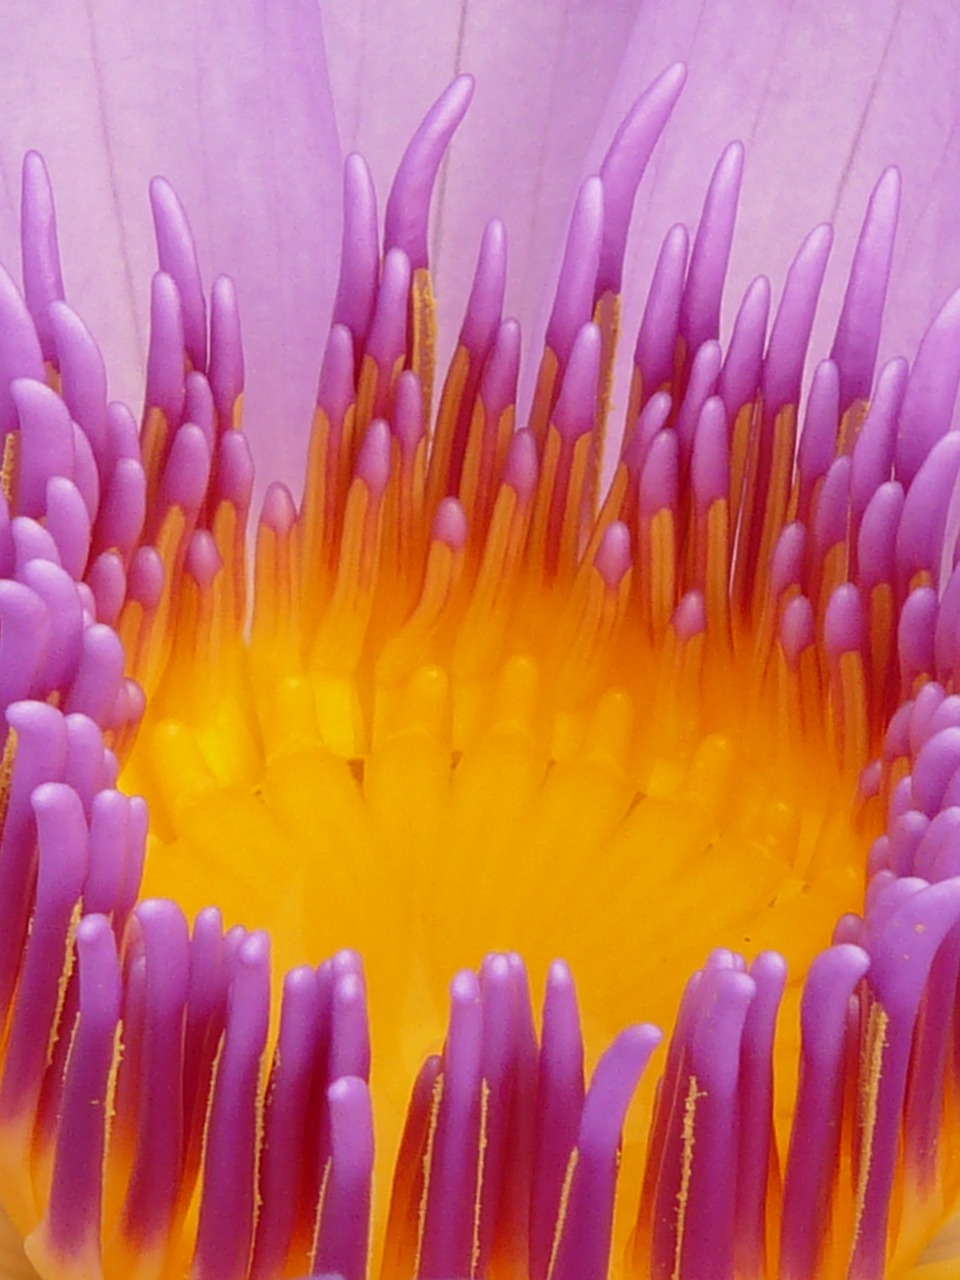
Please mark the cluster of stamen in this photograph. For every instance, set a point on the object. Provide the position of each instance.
(515, 663)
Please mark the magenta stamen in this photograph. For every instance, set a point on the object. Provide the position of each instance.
(830, 517)
(61, 868)
(797, 628)
(498, 387)
(123, 509)
(285, 1121)
(235, 474)
(624, 165)
(154, 1185)
(107, 848)
(922, 710)
(408, 205)
(279, 511)
(387, 340)
(481, 320)
(349, 1028)
(653, 419)
(936, 763)
(342, 1238)
(701, 384)
(68, 523)
(946, 639)
(498, 1071)
(844, 630)
(177, 256)
(584, 1247)
(59, 593)
(359, 251)
(447, 1242)
(816, 1132)
(85, 474)
(198, 407)
(560, 1094)
(576, 405)
(203, 561)
(108, 581)
(657, 336)
(904, 839)
(877, 538)
(514, 1219)
(915, 635)
(743, 365)
(902, 948)
(74, 1206)
(373, 460)
(228, 1201)
(450, 524)
(20, 354)
(756, 1156)
(690, 616)
(874, 450)
(858, 329)
(700, 304)
(46, 442)
(84, 769)
(165, 355)
(203, 1025)
(922, 524)
(709, 467)
(31, 541)
(408, 419)
(931, 391)
(787, 350)
(818, 440)
(787, 562)
(24, 636)
(83, 375)
(576, 284)
(226, 371)
(612, 560)
(40, 253)
(186, 473)
(659, 480)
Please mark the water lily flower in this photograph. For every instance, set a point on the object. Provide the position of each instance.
(588, 648)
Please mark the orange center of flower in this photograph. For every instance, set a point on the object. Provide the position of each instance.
(486, 724)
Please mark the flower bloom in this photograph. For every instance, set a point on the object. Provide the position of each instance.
(482, 707)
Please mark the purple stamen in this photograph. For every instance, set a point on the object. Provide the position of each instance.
(373, 460)
(154, 1185)
(24, 637)
(576, 404)
(659, 480)
(58, 591)
(915, 635)
(818, 440)
(583, 1249)
(931, 391)
(624, 165)
(700, 304)
(816, 1132)
(20, 354)
(350, 1029)
(710, 463)
(408, 205)
(61, 868)
(108, 850)
(83, 376)
(701, 384)
(613, 560)
(31, 541)
(576, 285)
(447, 1243)
(84, 771)
(877, 538)
(843, 624)
(946, 640)
(387, 340)
(797, 628)
(787, 350)
(344, 1229)
(481, 320)
(228, 1202)
(40, 253)
(743, 365)
(186, 474)
(857, 338)
(285, 1121)
(936, 763)
(226, 348)
(522, 466)
(177, 256)
(68, 523)
(690, 616)
(653, 355)
(560, 1094)
(46, 442)
(123, 509)
(498, 1071)
(408, 419)
(787, 562)
(359, 251)
(72, 1218)
(874, 450)
(198, 407)
(922, 524)
(165, 354)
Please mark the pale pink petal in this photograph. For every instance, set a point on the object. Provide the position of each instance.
(230, 101)
(543, 73)
(825, 95)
